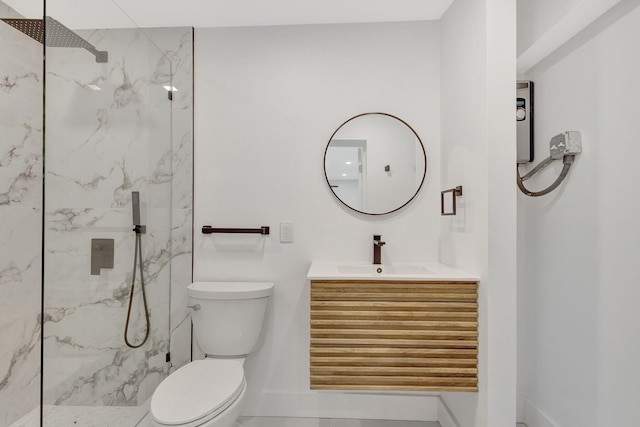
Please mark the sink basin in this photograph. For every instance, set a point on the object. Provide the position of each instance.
(336, 270)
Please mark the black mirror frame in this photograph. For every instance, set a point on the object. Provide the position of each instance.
(424, 154)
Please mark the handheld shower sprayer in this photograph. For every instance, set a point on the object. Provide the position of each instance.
(135, 205)
(137, 255)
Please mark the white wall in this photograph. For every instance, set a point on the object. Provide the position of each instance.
(536, 17)
(545, 25)
(267, 99)
(478, 152)
(579, 350)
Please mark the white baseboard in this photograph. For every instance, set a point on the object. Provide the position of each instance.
(534, 417)
(445, 416)
(330, 404)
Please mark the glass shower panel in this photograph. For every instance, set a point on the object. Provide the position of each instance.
(20, 218)
(108, 135)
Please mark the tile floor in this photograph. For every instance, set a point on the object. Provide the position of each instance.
(325, 422)
(117, 417)
(315, 422)
(85, 416)
(101, 416)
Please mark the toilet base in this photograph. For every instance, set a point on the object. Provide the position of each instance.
(225, 419)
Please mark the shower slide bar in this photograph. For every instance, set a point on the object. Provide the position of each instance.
(264, 230)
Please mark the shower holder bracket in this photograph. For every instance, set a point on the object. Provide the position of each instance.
(140, 229)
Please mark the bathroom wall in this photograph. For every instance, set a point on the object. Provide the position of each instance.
(578, 347)
(544, 25)
(267, 100)
(478, 152)
(544, 19)
(101, 145)
(21, 218)
(536, 17)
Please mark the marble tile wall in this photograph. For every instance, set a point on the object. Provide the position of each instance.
(101, 145)
(20, 220)
(177, 45)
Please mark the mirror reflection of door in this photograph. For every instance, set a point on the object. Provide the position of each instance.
(347, 172)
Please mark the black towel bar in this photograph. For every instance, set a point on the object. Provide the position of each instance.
(264, 230)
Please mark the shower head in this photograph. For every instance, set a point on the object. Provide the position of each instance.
(54, 34)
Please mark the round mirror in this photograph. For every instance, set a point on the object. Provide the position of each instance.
(375, 163)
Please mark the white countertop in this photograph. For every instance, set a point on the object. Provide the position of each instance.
(339, 270)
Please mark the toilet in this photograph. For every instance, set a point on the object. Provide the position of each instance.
(227, 321)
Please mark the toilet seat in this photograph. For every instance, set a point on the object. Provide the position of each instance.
(197, 392)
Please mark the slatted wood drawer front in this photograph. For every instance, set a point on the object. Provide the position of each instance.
(394, 335)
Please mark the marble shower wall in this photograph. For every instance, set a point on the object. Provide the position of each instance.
(20, 220)
(101, 146)
(111, 130)
(177, 45)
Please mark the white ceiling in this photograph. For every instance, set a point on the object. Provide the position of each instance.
(78, 14)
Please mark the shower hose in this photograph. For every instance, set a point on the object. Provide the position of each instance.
(137, 257)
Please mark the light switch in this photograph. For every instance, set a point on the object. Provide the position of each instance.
(286, 231)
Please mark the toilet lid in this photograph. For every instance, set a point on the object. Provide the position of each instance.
(202, 388)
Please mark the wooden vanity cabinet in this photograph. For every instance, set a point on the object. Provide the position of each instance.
(394, 335)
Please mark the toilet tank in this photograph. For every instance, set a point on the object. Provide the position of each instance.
(228, 316)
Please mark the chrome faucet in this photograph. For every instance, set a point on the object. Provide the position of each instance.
(377, 253)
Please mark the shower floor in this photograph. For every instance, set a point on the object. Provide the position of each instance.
(85, 416)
